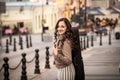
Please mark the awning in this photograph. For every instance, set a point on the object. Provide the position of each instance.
(94, 11)
(116, 9)
(112, 10)
(102, 11)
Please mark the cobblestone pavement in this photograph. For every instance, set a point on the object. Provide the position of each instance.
(100, 62)
(15, 57)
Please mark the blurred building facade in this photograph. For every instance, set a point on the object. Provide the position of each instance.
(67, 7)
(31, 13)
(34, 13)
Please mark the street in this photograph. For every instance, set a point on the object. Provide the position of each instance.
(100, 62)
(28, 29)
(15, 57)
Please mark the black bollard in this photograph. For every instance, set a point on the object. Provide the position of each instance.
(14, 45)
(81, 44)
(24, 73)
(109, 37)
(100, 38)
(117, 35)
(87, 41)
(84, 43)
(7, 46)
(92, 44)
(21, 43)
(47, 65)
(37, 70)
(10, 39)
(27, 42)
(30, 41)
(19, 39)
(6, 68)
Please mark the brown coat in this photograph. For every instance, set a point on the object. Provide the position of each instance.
(63, 57)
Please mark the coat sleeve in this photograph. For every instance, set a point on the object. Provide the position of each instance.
(64, 55)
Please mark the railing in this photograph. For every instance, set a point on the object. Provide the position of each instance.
(87, 41)
(23, 62)
(11, 40)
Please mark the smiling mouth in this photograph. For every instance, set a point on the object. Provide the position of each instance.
(60, 31)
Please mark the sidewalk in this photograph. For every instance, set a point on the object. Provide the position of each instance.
(15, 57)
(100, 62)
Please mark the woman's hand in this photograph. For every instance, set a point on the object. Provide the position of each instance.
(55, 51)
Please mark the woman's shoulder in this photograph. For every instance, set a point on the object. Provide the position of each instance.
(67, 41)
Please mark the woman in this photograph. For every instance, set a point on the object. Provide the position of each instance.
(63, 46)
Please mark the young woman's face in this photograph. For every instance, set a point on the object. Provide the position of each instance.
(61, 27)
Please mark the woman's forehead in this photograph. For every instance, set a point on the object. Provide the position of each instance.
(61, 23)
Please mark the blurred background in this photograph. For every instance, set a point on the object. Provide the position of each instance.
(29, 16)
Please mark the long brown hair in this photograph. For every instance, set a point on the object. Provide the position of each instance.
(69, 34)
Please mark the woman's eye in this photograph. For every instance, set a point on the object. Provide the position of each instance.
(62, 26)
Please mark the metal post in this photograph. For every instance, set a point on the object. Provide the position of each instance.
(14, 45)
(30, 41)
(85, 14)
(21, 43)
(37, 70)
(47, 65)
(84, 43)
(87, 41)
(27, 41)
(47, 2)
(109, 37)
(101, 38)
(42, 20)
(81, 44)
(6, 68)
(7, 46)
(24, 73)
